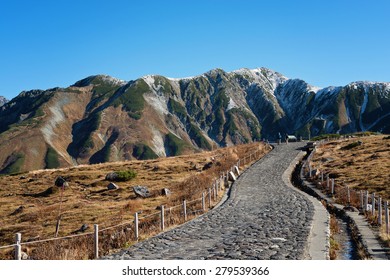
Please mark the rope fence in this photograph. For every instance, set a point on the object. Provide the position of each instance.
(105, 240)
(373, 206)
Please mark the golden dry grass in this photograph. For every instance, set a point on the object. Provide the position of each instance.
(87, 200)
(364, 167)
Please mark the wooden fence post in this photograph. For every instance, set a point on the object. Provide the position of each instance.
(366, 202)
(185, 209)
(349, 195)
(215, 192)
(203, 202)
(380, 211)
(96, 240)
(373, 203)
(310, 170)
(136, 233)
(387, 216)
(18, 247)
(327, 182)
(322, 176)
(209, 197)
(162, 218)
(361, 201)
(332, 186)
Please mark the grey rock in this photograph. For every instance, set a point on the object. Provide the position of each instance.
(208, 165)
(61, 182)
(112, 176)
(166, 192)
(112, 186)
(18, 210)
(231, 176)
(141, 191)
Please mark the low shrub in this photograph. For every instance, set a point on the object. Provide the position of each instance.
(126, 175)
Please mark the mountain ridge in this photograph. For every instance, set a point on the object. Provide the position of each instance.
(101, 118)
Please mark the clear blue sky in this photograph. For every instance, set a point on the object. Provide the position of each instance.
(46, 44)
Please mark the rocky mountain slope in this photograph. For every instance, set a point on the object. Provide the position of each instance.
(101, 118)
(3, 100)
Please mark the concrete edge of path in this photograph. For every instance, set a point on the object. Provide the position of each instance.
(367, 236)
(318, 241)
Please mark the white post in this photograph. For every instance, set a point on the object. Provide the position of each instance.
(96, 241)
(209, 197)
(136, 233)
(185, 209)
(380, 211)
(162, 218)
(327, 182)
(203, 203)
(348, 195)
(18, 247)
(366, 202)
(373, 203)
(215, 192)
(387, 216)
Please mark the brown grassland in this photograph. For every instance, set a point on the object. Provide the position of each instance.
(30, 203)
(364, 167)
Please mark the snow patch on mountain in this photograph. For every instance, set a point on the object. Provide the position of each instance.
(57, 116)
(158, 142)
(231, 105)
(112, 80)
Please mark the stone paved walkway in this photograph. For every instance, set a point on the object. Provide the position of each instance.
(262, 219)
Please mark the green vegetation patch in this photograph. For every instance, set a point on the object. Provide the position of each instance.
(196, 134)
(351, 145)
(14, 164)
(132, 99)
(142, 151)
(51, 158)
(177, 109)
(325, 136)
(174, 145)
(126, 175)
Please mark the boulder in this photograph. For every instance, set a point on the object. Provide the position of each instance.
(237, 170)
(314, 172)
(231, 176)
(112, 186)
(166, 192)
(18, 210)
(350, 209)
(112, 176)
(24, 256)
(207, 165)
(141, 191)
(83, 228)
(61, 182)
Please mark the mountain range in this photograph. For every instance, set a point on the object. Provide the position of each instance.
(101, 118)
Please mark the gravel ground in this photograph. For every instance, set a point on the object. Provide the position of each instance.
(262, 219)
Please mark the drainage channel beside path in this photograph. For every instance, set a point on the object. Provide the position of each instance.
(263, 218)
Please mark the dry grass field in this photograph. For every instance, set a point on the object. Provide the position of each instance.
(30, 203)
(362, 167)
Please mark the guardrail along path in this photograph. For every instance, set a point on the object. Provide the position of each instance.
(262, 219)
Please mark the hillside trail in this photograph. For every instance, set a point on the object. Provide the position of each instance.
(263, 218)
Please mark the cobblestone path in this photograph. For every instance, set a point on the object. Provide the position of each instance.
(262, 219)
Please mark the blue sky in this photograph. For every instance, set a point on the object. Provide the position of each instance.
(56, 43)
